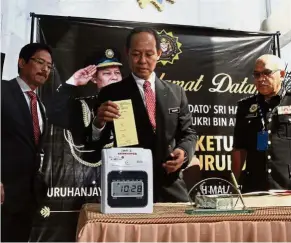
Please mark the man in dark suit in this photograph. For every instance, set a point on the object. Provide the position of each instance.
(162, 117)
(22, 132)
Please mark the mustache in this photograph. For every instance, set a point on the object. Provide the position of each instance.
(264, 84)
(44, 74)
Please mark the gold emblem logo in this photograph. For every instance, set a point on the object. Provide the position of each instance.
(159, 4)
(171, 47)
(109, 53)
(253, 107)
(45, 212)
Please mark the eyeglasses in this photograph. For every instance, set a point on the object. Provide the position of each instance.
(266, 72)
(42, 62)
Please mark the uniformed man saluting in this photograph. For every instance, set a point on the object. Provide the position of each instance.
(71, 110)
(262, 134)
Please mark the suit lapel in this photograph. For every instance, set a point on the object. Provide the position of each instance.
(22, 104)
(140, 110)
(45, 123)
(161, 110)
(24, 112)
(161, 100)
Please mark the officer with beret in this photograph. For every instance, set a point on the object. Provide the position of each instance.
(262, 133)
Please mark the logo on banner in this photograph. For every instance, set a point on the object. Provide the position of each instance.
(159, 4)
(45, 212)
(171, 47)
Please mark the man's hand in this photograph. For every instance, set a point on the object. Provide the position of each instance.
(84, 75)
(106, 113)
(238, 157)
(178, 157)
(2, 193)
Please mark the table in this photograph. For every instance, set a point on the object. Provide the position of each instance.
(169, 223)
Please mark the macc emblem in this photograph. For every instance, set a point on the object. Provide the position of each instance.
(157, 3)
(253, 107)
(109, 53)
(171, 47)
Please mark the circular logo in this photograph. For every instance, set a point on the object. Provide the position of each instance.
(253, 107)
(109, 53)
(170, 46)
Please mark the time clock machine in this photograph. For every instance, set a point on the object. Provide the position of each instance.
(127, 180)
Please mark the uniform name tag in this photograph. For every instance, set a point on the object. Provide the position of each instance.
(251, 115)
(262, 141)
(283, 110)
(174, 110)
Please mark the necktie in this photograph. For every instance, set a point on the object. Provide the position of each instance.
(150, 100)
(35, 122)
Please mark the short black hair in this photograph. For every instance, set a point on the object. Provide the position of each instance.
(138, 30)
(30, 49)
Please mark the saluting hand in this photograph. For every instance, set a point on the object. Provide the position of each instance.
(84, 75)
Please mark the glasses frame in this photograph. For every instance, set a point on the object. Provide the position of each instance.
(257, 75)
(42, 62)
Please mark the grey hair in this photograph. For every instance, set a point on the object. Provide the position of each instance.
(274, 59)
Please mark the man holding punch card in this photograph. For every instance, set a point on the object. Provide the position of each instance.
(162, 118)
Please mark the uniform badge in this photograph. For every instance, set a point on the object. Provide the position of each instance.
(284, 110)
(253, 107)
(109, 53)
(252, 115)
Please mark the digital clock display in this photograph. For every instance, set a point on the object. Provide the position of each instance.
(127, 188)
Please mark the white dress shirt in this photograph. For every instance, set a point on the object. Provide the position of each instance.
(24, 87)
(96, 131)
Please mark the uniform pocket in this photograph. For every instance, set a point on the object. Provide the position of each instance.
(284, 126)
